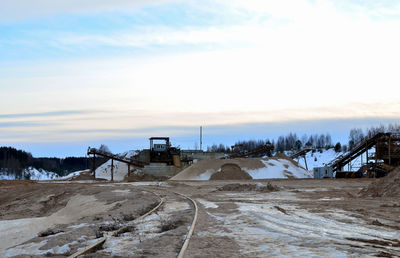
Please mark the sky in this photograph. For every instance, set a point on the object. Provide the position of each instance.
(75, 73)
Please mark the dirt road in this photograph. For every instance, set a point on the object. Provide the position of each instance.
(293, 218)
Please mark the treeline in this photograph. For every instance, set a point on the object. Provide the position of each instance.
(357, 134)
(291, 142)
(219, 148)
(283, 143)
(13, 161)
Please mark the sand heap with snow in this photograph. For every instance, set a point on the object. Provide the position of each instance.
(258, 168)
(120, 168)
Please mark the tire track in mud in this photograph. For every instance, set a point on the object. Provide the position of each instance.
(165, 199)
(192, 226)
(116, 232)
(188, 235)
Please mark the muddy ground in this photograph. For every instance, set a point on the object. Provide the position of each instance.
(253, 218)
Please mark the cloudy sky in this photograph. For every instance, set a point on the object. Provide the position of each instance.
(78, 73)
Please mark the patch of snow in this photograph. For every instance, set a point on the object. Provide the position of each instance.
(280, 168)
(74, 174)
(318, 159)
(78, 226)
(36, 249)
(82, 238)
(142, 183)
(120, 168)
(330, 199)
(126, 191)
(176, 206)
(207, 204)
(39, 174)
(7, 177)
(206, 175)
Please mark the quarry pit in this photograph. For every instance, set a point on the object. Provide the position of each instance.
(236, 218)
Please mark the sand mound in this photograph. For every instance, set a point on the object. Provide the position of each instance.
(16, 182)
(204, 169)
(83, 176)
(388, 186)
(257, 168)
(249, 187)
(120, 168)
(144, 177)
(230, 171)
(285, 157)
(281, 156)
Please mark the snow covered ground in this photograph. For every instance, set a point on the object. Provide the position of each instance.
(279, 225)
(318, 159)
(32, 174)
(298, 234)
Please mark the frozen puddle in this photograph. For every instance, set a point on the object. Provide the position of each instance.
(123, 192)
(330, 199)
(78, 226)
(36, 249)
(261, 229)
(176, 206)
(255, 196)
(154, 183)
(207, 204)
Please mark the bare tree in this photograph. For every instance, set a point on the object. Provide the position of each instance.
(104, 148)
(356, 136)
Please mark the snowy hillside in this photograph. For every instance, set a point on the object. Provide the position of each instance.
(318, 159)
(32, 174)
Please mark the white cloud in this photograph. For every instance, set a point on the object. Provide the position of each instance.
(141, 123)
(310, 61)
(15, 10)
(162, 36)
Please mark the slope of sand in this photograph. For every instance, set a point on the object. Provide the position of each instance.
(257, 168)
(120, 168)
(388, 186)
(13, 232)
